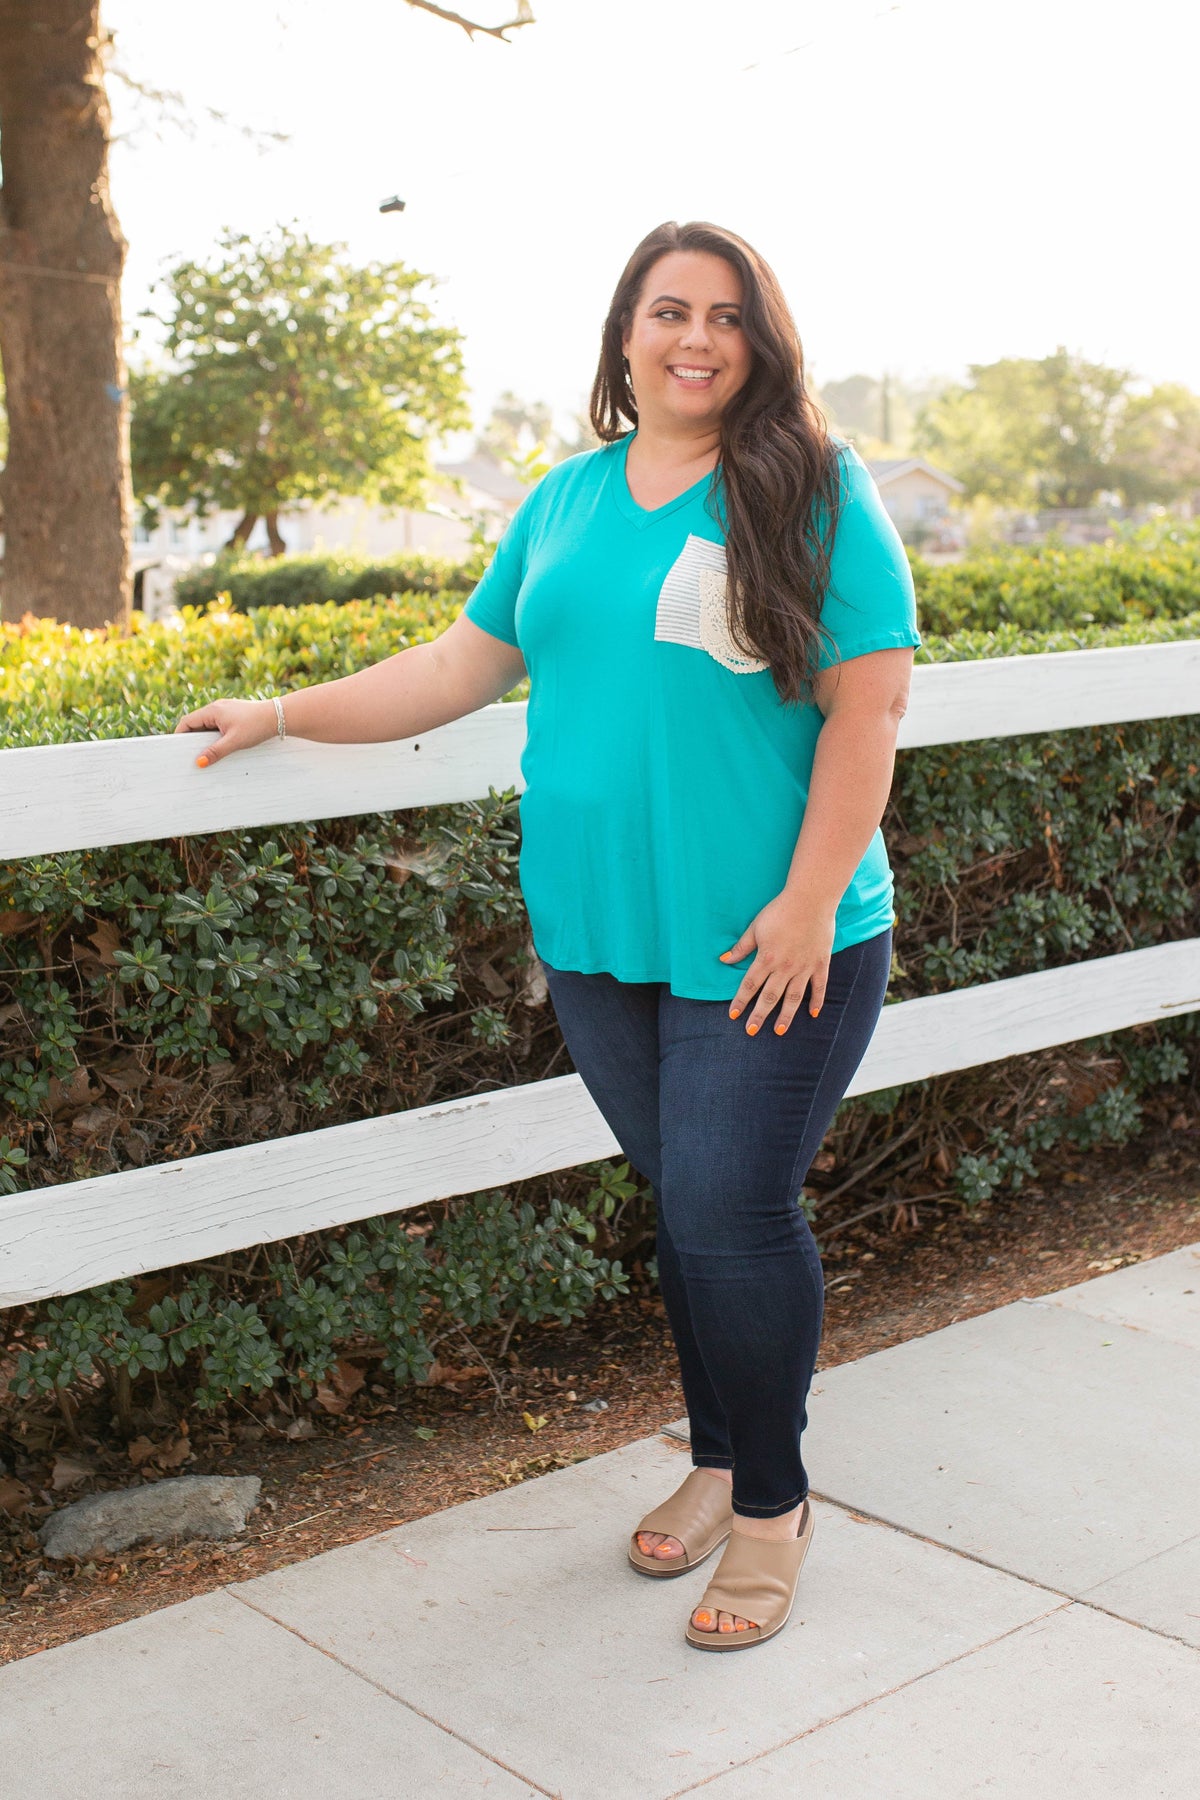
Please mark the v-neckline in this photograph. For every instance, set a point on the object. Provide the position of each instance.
(649, 515)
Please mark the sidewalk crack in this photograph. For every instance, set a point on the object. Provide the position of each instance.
(1046, 1587)
(873, 1700)
(921, 1537)
(360, 1675)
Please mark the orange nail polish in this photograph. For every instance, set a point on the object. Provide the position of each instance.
(750, 1030)
(814, 1012)
(734, 1011)
(202, 762)
(779, 1030)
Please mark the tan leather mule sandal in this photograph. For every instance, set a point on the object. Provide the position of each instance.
(755, 1579)
(698, 1513)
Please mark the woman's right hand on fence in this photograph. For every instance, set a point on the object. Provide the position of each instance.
(241, 723)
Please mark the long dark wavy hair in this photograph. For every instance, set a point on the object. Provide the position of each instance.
(778, 464)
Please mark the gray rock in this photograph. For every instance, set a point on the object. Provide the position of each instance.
(163, 1512)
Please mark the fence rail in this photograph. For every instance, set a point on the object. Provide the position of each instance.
(127, 790)
(60, 1239)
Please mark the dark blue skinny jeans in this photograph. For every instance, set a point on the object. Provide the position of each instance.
(724, 1127)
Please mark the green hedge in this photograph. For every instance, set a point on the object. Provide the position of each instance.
(389, 1287)
(59, 684)
(160, 1000)
(1151, 573)
(251, 581)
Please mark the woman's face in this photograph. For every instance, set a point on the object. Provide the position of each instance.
(688, 353)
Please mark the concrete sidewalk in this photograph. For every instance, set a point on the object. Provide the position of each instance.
(1002, 1599)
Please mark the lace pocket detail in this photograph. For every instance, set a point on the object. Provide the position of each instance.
(715, 635)
(692, 607)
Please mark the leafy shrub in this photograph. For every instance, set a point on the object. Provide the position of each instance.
(60, 684)
(160, 1000)
(390, 1290)
(1151, 573)
(315, 578)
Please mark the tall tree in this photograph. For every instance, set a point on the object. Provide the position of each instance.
(518, 429)
(516, 426)
(1035, 432)
(66, 483)
(878, 414)
(1156, 453)
(990, 432)
(1083, 406)
(295, 376)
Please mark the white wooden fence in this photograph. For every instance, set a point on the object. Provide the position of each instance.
(57, 1240)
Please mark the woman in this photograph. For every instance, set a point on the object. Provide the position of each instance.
(717, 619)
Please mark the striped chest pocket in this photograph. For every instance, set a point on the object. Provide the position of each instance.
(692, 607)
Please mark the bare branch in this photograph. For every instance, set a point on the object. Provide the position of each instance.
(471, 26)
(172, 109)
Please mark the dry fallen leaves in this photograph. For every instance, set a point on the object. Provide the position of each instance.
(14, 1496)
(155, 1459)
(345, 1379)
(69, 1469)
(453, 1375)
(107, 939)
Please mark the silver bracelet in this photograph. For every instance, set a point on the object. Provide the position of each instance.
(280, 723)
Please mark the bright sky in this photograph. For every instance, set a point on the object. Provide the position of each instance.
(936, 182)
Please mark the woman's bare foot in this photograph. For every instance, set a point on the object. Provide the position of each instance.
(777, 1530)
(653, 1543)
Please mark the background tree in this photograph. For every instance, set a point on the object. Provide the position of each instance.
(517, 429)
(294, 376)
(1059, 431)
(66, 484)
(879, 413)
(990, 431)
(66, 489)
(1156, 452)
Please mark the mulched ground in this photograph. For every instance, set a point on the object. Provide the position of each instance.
(392, 1458)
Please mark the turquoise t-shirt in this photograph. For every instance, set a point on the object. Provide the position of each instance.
(665, 781)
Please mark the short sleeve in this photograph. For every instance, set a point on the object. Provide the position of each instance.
(871, 602)
(493, 603)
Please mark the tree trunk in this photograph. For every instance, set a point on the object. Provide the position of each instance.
(274, 539)
(242, 530)
(66, 487)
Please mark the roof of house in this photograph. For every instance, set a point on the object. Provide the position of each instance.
(890, 468)
(488, 476)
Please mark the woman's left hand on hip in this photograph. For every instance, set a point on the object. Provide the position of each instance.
(793, 941)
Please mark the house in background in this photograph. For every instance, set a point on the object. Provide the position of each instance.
(463, 493)
(918, 498)
(917, 495)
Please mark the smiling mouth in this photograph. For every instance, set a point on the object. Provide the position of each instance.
(687, 372)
